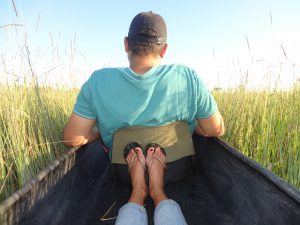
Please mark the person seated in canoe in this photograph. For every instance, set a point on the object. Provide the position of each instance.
(145, 103)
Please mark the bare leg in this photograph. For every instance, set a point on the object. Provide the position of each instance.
(137, 174)
(167, 211)
(156, 175)
(134, 213)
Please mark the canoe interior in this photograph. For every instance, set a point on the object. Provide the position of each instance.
(221, 189)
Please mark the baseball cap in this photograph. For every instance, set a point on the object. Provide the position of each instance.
(148, 27)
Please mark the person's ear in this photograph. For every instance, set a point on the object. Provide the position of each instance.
(126, 44)
(163, 51)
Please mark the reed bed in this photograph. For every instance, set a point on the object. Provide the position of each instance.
(263, 125)
(31, 123)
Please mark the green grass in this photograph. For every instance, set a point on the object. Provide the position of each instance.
(263, 125)
(31, 123)
(266, 127)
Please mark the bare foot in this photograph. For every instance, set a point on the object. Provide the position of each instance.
(136, 162)
(156, 169)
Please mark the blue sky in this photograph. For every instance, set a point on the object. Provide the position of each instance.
(196, 29)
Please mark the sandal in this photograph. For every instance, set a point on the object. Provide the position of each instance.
(155, 145)
(132, 146)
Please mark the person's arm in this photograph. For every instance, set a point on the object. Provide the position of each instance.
(212, 126)
(80, 131)
(209, 120)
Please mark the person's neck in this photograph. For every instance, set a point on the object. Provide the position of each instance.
(141, 64)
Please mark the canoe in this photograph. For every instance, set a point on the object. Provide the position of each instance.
(223, 188)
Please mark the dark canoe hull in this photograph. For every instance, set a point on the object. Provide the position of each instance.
(224, 187)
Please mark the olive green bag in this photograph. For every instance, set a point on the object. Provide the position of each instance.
(175, 138)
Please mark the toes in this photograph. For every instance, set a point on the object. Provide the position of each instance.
(151, 150)
(140, 155)
(138, 150)
(159, 154)
(130, 155)
(149, 157)
(158, 151)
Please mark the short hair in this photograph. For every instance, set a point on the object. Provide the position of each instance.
(139, 48)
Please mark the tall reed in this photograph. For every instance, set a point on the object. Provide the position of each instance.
(31, 123)
(266, 127)
(263, 125)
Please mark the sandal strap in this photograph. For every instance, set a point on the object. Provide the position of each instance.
(129, 146)
(132, 146)
(162, 162)
(155, 145)
(159, 160)
(141, 162)
(129, 164)
(135, 157)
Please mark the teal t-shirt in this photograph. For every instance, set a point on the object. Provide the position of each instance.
(118, 98)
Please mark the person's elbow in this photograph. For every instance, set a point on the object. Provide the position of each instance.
(212, 126)
(216, 132)
(70, 140)
(220, 132)
(79, 131)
